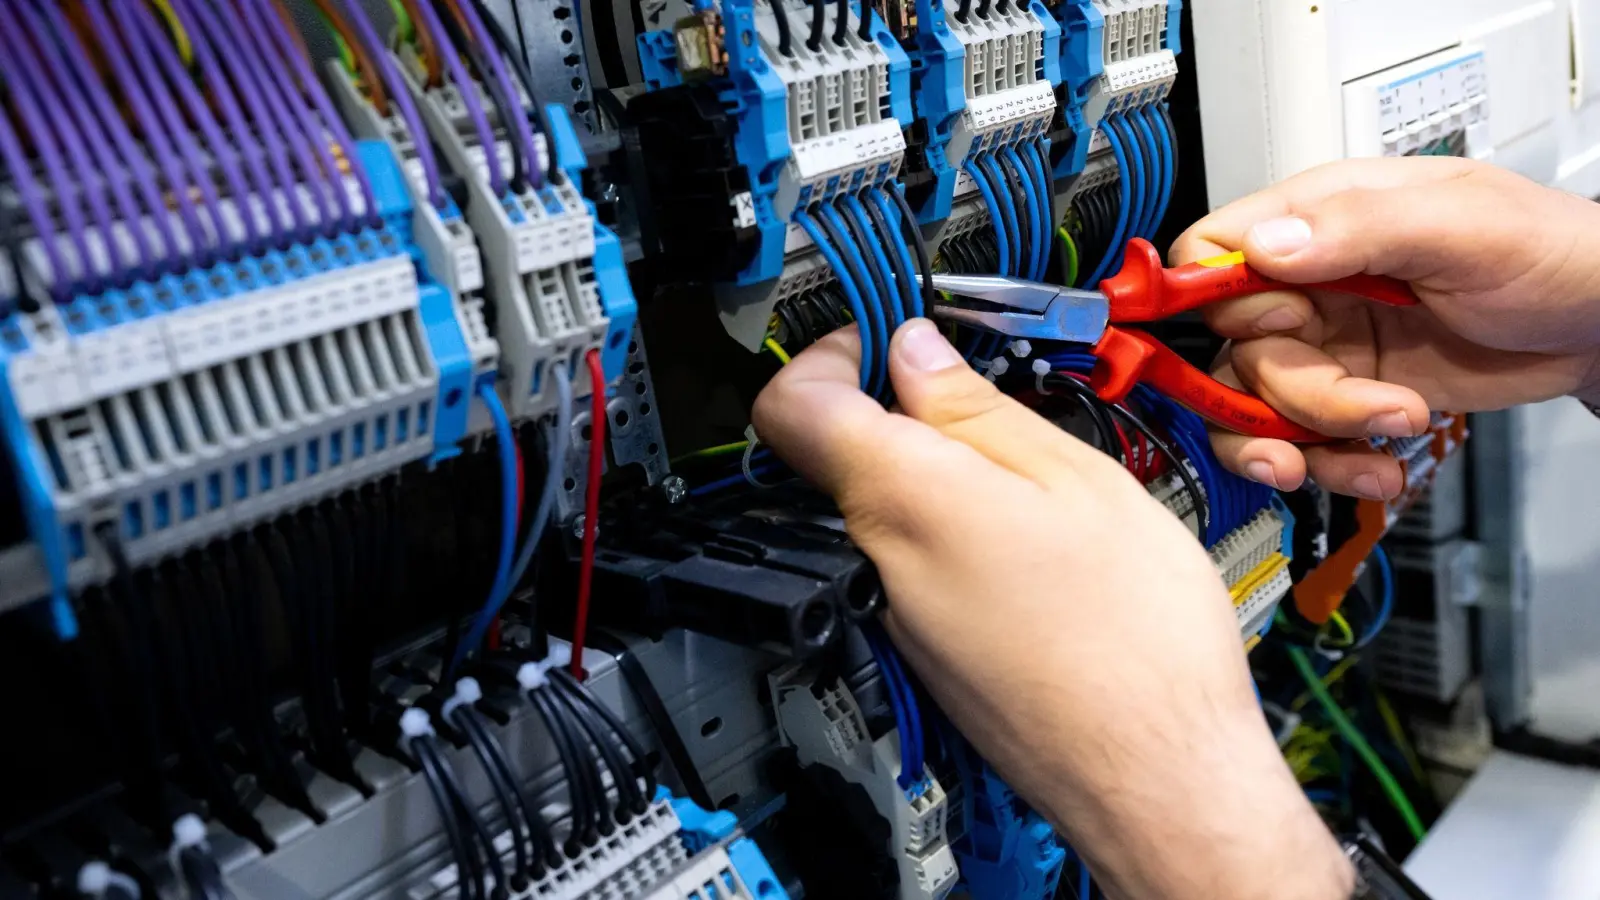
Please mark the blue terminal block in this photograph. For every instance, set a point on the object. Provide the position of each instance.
(1009, 851)
(1082, 62)
(610, 272)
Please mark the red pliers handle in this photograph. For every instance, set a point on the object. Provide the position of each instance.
(1147, 291)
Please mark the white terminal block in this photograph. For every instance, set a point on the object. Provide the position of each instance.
(538, 256)
(1132, 28)
(830, 730)
(1133, 82)
(837, 105)
(1006, 92)
(709, 875)
(1412, 108)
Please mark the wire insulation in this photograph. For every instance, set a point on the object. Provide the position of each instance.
(591, 505)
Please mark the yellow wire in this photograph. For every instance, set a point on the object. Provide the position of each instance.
(1391, 721)
(777, 350)
(179, 36)
(402, 20)
(346, 55)
(1338, 620)
(1071, 269)
(1333, 676)
(718, 450)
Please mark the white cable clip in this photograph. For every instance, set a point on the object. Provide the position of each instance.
(96, 877)
(751, 443)
(187, 832)
(468, 692)
(531, 677)
(415, 723)
(1021, 348)
(1041, 368)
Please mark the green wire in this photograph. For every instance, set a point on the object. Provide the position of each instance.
(1071, 247)
(1353, 736)
(345, 54)
(719, 450)
(402, 21)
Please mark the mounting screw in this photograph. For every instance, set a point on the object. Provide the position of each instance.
(577, 526)
(675, 488)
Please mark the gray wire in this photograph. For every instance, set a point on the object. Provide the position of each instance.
(558, 441)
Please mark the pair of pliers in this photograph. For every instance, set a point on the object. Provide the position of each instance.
(1147, 291)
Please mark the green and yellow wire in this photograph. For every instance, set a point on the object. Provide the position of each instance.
(1069, 248)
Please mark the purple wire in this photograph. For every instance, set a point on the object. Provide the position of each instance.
(291, 97)
(399, 93)
(111, 121)
(260, 179)
(111, 49)
(33, 119)
(159, 46)
(469, 95)
(83, 122)
(518, 116)
(38, 209)
(325, 111)
(266, 127)
(199, 173)
(303, 144)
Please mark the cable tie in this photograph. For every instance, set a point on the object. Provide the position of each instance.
(531, 676)
(188, 831)
(415, 723)
(559, 657)
(751, 443)
(1021, 348)
(1041, 368)
(468, 692)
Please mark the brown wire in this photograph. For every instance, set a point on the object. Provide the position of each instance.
(364, 63)
(431, 60)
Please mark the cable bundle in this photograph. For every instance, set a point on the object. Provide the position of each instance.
(1147, 157)
(587, 734)
(852, 232)
(115, 148)
(471, 844)
(902, 699)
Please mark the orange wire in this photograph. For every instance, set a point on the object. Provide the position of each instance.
(364, 63)
(427, 49)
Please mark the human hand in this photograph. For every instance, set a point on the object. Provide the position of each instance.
(1508, 273)
(1065, 620)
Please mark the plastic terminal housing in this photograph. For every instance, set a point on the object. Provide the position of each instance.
(554, 273)
(1010, 852)
(449, 250)
(825, 725)
(184, 409)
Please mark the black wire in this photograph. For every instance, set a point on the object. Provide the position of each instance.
(819, 18)
(1013, 232)
(452, 785)
(902, 277)
(538, 829)
(865, 30)
(509, 106)
(641, 760)
(1172, 129)
(1150, 157)
(447, 818)
(964, 11)
(837, 238)
(1019, 202)
(504, 788)
(583, 814)
(781, 16)
(841, 22)
(886, 293)
(983, 9)
(202, 876)
(630, 801)
(1098, 414)
(519, 64)
(918, 244)
(1202, 515)
(667, 735)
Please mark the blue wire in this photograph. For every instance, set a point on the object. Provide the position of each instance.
(1154, 181)
(1034, 155)
(1030, 202)
(909, 696)
(1085, 880)
(1113, 256)
(874, 303)
(1008, 208)
(891, 214)
(1168, 170)
(1141, 178)
(891, 304)
(1386, 605)
(711, 487)
(891, 693)
(982, 181)
(851, 293)
(506, 444)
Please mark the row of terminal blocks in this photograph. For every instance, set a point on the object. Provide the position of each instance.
(173, 411)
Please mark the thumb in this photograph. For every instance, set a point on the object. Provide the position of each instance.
(936, 386)
(1412, 232)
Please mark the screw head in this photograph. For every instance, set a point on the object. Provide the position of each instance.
(675, 488)
(577, 525)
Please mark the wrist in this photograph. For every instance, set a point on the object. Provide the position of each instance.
(1225, 821)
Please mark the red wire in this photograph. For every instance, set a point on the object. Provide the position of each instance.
(591, 505)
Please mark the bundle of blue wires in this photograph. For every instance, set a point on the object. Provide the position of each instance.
(902, 700)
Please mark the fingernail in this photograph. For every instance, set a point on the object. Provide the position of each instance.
(1368, 486)
(1390, 424)
(923, 348)
(1282, 237)
(1261, 471)
(1281, 319)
